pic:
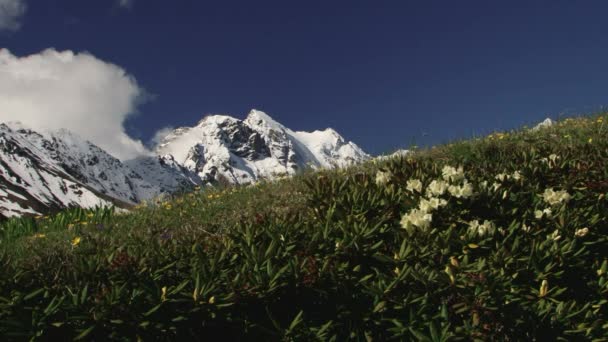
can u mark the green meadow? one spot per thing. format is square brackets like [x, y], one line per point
[501, 237]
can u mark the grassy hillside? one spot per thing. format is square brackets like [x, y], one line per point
[502, 237]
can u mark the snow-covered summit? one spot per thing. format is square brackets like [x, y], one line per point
[221, 147]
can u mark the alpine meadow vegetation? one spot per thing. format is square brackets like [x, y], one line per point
[503, 237]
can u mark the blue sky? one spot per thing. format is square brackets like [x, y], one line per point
[382, 73]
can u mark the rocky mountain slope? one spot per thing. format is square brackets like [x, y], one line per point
[242, 151]
[47, 171]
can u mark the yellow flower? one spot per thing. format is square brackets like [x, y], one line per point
[163, 296]
[544, 288]
[212, 300]
[90, 215]
[590, 140]
[76, 241]
[39, 236]
[600, 120]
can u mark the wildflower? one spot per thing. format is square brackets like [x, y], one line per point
[553, 157]
[396, 270]
[581, 232]
[90, 215]
[487, 228]
[544, 288]
[504, 194]
[555, 235]
[76, 241]
[516, 175]
[502, 176]
[525, 227]
[437, 188]
[338, 244]
[452, 174]
[39, 236]
[495, 186]
[383, 177]
[416, 218]
[555, 197]
[212, 300]
[463, 191]
[590, 140]
[414, 184]
[483, 185]
[431, 204]
[600, 120]
[163, 296]
[538, 214]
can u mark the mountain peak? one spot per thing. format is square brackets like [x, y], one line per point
[259, 118]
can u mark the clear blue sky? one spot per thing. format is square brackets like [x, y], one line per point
[380, 72]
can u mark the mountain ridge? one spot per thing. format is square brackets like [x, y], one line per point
[46, 171]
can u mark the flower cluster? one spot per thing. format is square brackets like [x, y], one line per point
[538, 214]
[414, 185]
[437, 188]
[481, 230]
[383, 177]
[581, 232]
[556, 197]
[551, 161]
[451, 174]
[416, 218]
[461, 191]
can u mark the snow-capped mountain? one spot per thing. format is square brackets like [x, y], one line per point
[47, 171]
[220, 147]
[51, 170]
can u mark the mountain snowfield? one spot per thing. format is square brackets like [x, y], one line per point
[46, 171]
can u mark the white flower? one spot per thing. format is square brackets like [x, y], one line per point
[538, 214]
[431, 204]
[516, 175]
[452, 174]
[526, 228]
[463, 191]
[437, 188]
[495, 186]
[383, 177]
[483, 185]
[416, 218]
[504, 194]
[414, 184]
[502, 176]
[581, 232]
[555, 235]
[556, 197]
[553, 157]
[487, 228]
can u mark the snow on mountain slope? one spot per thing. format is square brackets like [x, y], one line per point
[243, 151]
[51, 170]
[58, 169]
[30, 181]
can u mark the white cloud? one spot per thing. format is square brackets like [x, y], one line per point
[77, 91]
[125, 3]
[11, 12]
[160, 135]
